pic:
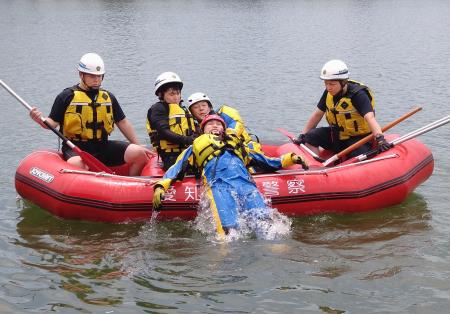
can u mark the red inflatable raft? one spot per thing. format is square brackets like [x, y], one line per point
[46, 180]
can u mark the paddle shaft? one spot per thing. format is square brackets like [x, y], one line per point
[306, 148]
[26, 105]
[90, 160]
[434, 125]
[369, 137]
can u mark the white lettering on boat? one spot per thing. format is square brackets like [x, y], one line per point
[170, 194]
[190, 193]
[41, 174]
[271, 188]
[296, 186]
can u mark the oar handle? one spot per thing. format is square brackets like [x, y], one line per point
[407, 137]
[91, 161]
[422, 130]
[369, 137]
[23, 102]
[26, 105]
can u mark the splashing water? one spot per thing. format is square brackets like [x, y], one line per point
[263, 223]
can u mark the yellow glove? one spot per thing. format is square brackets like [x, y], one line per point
[158, 196]
[297, 159]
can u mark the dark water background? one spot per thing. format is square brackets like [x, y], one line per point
[264, 58]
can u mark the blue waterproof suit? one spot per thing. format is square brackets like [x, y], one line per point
[229, 186]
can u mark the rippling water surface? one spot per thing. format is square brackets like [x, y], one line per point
[264, 58]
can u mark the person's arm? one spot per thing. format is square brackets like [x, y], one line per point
[373, 124]
[177, 170]
[160, 122]
[232, 119]
[314, 120]
[127, 130]
[317, 115]
[36, 115]
[363, 105]
[276, 163]
[57, 112]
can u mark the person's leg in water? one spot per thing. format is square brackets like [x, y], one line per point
[222, 199]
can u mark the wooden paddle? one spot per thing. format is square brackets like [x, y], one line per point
[369, 137]
[93, 163]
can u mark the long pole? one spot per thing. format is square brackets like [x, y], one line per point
[93, 163]
[427, 128]
[369, 137]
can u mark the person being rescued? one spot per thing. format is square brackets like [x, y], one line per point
[221, 157]
[200, 106]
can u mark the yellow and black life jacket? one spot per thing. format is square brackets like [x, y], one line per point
[208, 146]
[239, 128]
[180, 122]
[344, 115]
[86, 119]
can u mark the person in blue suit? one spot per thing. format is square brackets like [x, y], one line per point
[222, 157]
[200, 106]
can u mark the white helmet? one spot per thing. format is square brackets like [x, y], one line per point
[196, 97]
[334, 70]
[91, 63]
[166, 78]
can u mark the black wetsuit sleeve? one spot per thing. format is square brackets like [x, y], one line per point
[361, 102]
[60, 105]
[322, 102]
[118, 113]
[159, 120]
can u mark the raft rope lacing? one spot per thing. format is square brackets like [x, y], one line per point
[108, 175]
[324, 170]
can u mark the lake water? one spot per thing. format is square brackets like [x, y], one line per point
[264, 58]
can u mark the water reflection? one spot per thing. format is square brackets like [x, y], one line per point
[86, 256]
[95, 261]
[337, 244]
[351, 231]
[161, 266]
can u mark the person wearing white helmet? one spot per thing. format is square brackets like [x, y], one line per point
[87, 114]
[200, 105]
[169, 124]
[349, 110]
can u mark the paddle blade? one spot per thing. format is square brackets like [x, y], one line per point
[286, 133]
[93, 163]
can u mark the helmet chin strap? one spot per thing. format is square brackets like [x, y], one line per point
[87, 87]
[343, 84]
